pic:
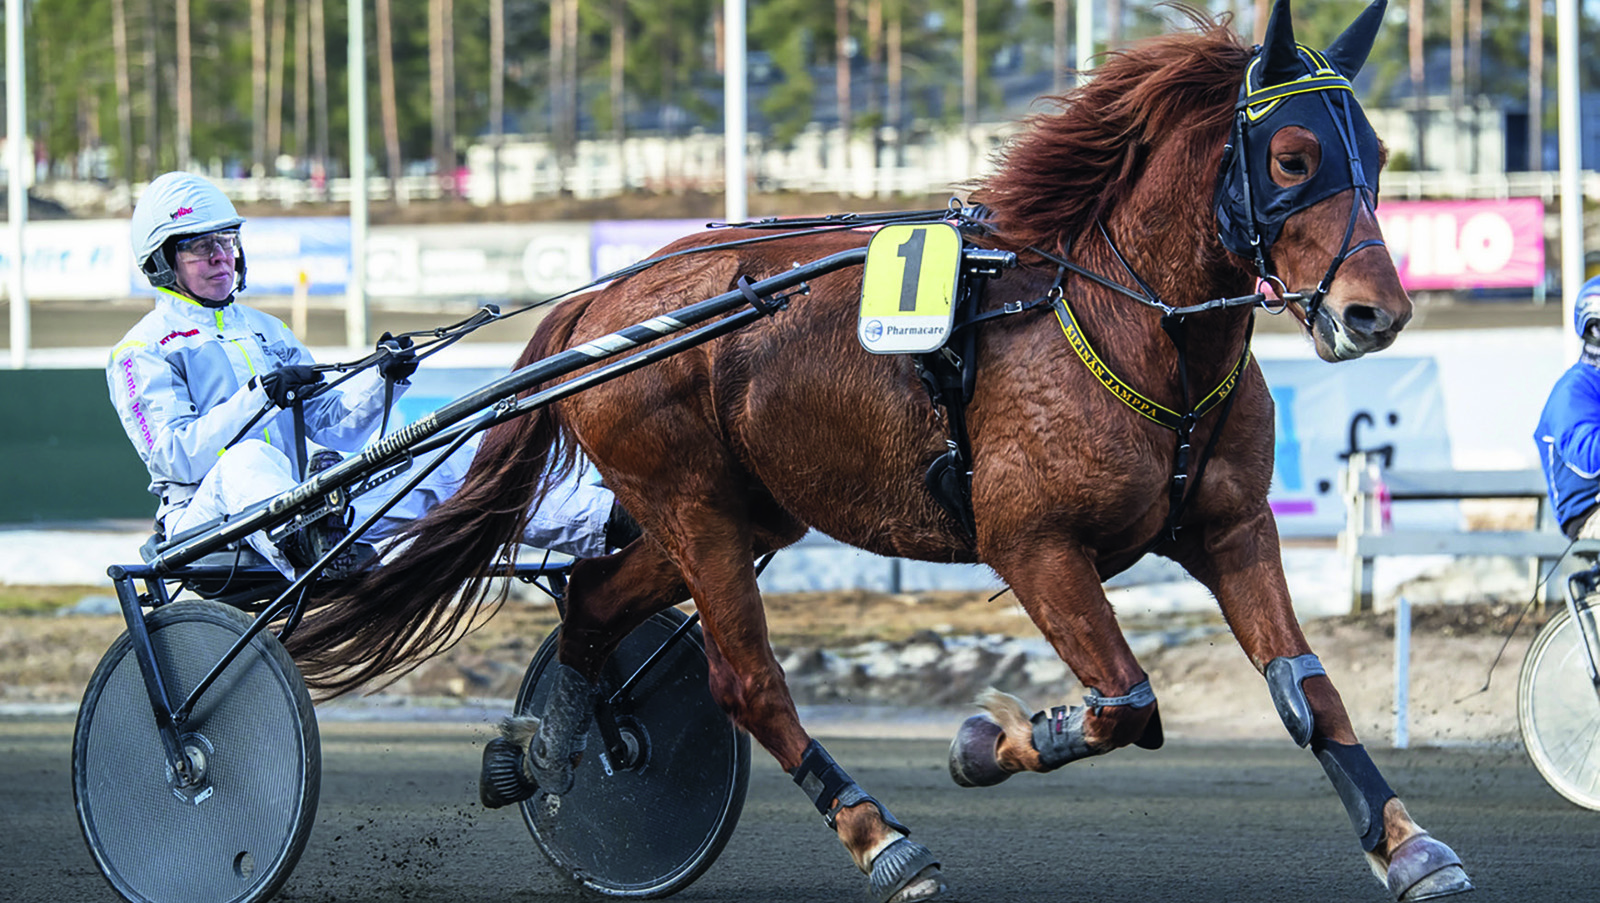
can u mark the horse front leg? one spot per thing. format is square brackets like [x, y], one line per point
[1061, 592]
[1242, 565]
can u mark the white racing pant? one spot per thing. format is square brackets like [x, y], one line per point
[571, 520]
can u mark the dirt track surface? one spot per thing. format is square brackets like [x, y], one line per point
[1239, 823]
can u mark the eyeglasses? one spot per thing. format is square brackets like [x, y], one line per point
[204, 247]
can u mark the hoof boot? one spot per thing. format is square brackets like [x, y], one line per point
[904, 872]
[973, 753]
[502, 782]
[1423, 869]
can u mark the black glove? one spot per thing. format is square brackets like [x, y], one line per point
[401, 361]
[286, 385]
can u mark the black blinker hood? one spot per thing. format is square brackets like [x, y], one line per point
[1289, 84]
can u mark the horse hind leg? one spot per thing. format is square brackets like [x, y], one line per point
[606, 599]
[747, 682]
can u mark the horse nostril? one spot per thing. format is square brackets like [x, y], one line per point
[1366, 319]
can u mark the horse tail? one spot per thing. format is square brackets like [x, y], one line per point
[427, 595]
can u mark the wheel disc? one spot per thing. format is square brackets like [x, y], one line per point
[236, 834]
[1559, 712]
[651, 829]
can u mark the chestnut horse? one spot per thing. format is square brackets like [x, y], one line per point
[737, 447]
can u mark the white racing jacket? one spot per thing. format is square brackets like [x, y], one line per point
[180, 382]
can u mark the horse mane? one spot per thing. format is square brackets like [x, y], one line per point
[1073, 166]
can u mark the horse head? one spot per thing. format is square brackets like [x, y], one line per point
[1298, 189]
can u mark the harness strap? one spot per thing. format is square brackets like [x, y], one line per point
[1125, 393]
[756, 301]
[388, 400]
[1139, 695]
[300, 438]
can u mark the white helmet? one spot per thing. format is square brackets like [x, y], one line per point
[175, 205]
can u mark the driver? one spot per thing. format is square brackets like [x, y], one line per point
[1568, 434]
[191, 380]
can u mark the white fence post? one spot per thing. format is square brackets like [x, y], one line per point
[1402, 673]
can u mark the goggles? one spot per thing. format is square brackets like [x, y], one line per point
[205, 247]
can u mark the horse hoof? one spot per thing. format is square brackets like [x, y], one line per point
[906, 871]
[1423, 869]
[556, 774]
[974, 761]
[556, 749]
[503, 782]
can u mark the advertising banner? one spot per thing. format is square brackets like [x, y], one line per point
[481, 261]
[277, 249]
[1392, 407]
[1466, 244]
[620, 243]
[81, 260]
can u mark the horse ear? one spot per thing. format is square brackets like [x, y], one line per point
[1280, 59]
[1349, 51]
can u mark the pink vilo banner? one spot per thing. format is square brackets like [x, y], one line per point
[1466, 244]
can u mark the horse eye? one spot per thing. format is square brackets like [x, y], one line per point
[1293, 164]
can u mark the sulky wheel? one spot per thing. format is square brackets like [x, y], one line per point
[1559, 711]
[235, 835]
[649, 823]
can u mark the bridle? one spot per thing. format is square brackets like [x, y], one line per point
[1326, 84]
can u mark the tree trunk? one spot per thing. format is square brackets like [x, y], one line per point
[874, 57]
[558, 96]
[1536, 85]
[319, 93]
[275, 79]
[1419, 88]
[497, 87]
[387, 103]
[1058, 46]
[841, 66]
[152, 94]
[302, 82]
[447, 112]
[1458, 54]
[184, 95]
[894, 104]
[564, 85]
[618, 75]
[1475, 71]
[258, 87]
[436, 83]
[570, 75]
[441, 83]
[969, 70]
